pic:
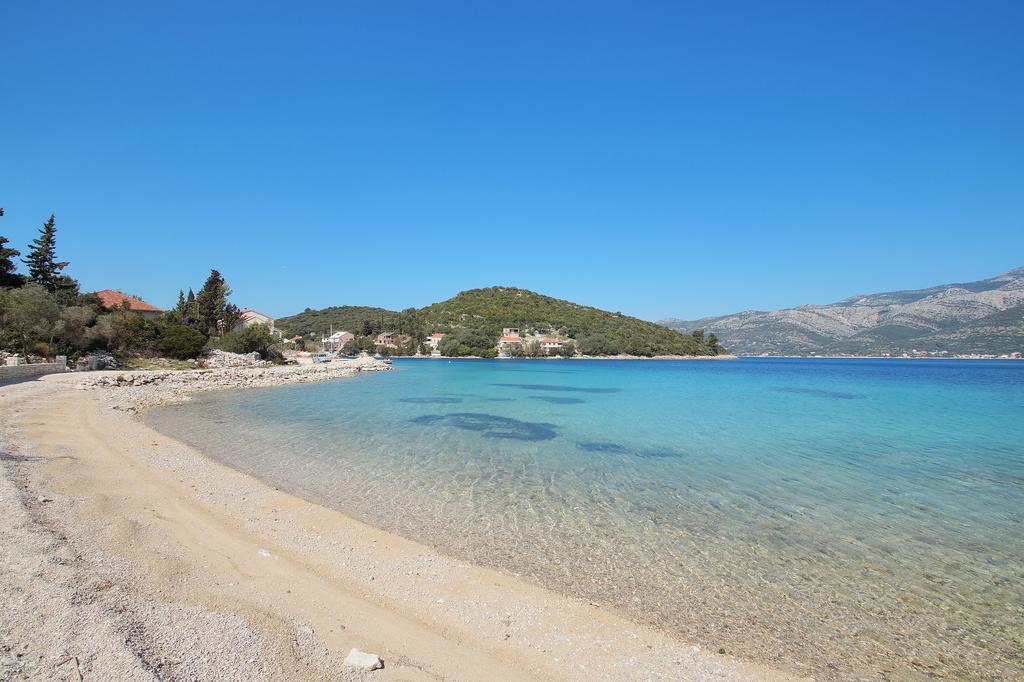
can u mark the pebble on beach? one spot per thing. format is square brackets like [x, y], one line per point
[363, 660]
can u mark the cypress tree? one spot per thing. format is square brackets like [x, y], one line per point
[43, 266]
[210, 303]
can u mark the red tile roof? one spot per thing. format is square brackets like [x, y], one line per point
[110, 299]
[510, 339]
[551, 340]
[437, 335]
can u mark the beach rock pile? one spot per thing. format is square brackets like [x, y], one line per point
[96, 360]
[138, 390]
[222, 358]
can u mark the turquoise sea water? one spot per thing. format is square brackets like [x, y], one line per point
[839, 517]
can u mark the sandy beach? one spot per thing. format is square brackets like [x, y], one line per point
[127, 555]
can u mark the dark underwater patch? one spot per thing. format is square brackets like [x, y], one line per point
[559, 388]
[436, 400]
[816, 392]
[483, 398]
[659, 453]
[558, 400]
[492, 425]
[600, 446]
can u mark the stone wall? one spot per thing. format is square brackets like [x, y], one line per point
[38, 369]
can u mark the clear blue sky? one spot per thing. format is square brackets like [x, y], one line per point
[660, 159]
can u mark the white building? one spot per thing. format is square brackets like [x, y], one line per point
[249, 317]
[433, 341]
[336, 341]
[550, 345]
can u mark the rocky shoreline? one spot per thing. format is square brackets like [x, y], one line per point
[136, 391]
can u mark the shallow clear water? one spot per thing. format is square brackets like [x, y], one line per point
[841, 517]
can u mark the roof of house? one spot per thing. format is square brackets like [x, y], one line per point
[551, 340]
[249, 313]
[110, 298]
[437, 335]
[510, 339]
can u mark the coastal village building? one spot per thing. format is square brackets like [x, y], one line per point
[506, 342]
[433, 341]
[387, 339]
[510, 331]
[249, 317]
[111, 299]
[336, 341]
[550, 345]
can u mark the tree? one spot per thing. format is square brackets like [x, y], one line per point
[28, 318]
[8, 276]
[367, 327]
[567, 350]
[43, 266]
[211, 303]
[351, 347]
[596, 344]
[73, 328]
[698, 335]
[231, 316]
[253, 338]
[534, 349]
[180, 341]
[191, 316]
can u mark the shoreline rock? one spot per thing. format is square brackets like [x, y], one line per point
[135, 391]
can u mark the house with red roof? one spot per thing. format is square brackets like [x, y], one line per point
[112, 299]
[550, 344]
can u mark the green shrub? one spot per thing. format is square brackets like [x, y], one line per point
[180, 341]
[254, 338]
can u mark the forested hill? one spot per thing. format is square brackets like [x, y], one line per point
[479, 315]
[598, 332]
[343, 318]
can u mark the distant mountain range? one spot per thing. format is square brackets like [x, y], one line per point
[984, 317]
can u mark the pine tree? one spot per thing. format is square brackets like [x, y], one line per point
[43, 266]
[8, 278]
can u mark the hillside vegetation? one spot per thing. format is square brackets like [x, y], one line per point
[475, 319]
[597, 332]
[351, 318]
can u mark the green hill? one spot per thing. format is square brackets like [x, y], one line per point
[476, 317]
[348, 318]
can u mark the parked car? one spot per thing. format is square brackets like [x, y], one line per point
[321, 357]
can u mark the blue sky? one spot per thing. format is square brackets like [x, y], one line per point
[659, 159]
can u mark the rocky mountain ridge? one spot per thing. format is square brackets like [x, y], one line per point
[985, 317]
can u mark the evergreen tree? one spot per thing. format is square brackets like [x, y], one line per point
[231, 316]
[210, 303]
[180, 307]
[213, 312]
[8, 278]
[43, 266]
